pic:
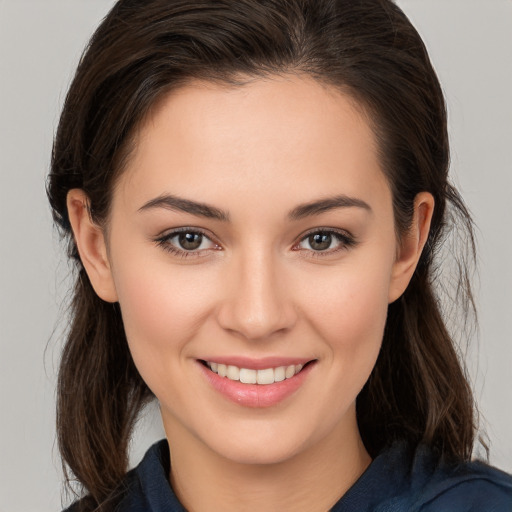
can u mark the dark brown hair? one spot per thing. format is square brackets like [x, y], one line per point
[143, 50]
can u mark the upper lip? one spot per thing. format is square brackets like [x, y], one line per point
[257, 363]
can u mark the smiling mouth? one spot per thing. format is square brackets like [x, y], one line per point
[263, 376]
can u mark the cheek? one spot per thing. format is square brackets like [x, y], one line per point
[350, 304]
[162, 308]
[349, 313]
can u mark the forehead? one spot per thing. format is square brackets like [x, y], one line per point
[278, 135]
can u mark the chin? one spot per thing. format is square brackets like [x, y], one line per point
[260, 445]
[274, 452]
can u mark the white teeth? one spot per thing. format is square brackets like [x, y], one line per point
[233, 372]
[249, 376]
[222, 370]
[290, 371]
[265, 376]
[279, 374]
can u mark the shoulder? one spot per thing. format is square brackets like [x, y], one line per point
[405, 479]
[467, 487]
[146, 487]
[430, 484]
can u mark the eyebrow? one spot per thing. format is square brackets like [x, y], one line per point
[175, 203]
[327, 204]
[170, 202]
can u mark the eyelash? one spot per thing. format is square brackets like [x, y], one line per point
[165, 244]
[346, 241]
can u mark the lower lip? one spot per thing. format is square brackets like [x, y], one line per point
[256, 395]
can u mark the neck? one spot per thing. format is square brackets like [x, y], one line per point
[312, 480]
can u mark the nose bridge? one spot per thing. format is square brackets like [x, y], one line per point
[258, 303]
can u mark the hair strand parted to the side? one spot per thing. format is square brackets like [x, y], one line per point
[143, 50]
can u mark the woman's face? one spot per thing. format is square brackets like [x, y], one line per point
[253, 232]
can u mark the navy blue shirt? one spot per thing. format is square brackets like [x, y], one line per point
[398, 480]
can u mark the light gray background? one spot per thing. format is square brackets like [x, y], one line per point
[470, 43]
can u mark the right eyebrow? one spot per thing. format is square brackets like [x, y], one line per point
[170, 202]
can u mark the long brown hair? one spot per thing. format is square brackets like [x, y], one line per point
[143, 50]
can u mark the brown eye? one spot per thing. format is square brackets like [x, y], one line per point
[190, 241]
[187, 242]
[325, 242]
[320, 241]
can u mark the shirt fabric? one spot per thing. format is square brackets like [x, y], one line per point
[398, 480]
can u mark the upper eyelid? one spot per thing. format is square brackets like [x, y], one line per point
[168, 234]
[184, 229]
[337, 231]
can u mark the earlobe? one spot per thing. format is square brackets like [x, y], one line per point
[92, 248]
[411, 246]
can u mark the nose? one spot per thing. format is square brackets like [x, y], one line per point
[257, 300]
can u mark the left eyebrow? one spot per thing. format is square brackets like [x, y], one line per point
[327, 204]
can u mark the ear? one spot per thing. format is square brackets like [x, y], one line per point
[411, 245]
[90, 241]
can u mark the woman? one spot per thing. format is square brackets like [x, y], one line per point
[254, 194]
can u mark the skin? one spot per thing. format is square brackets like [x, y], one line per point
[258, 288]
